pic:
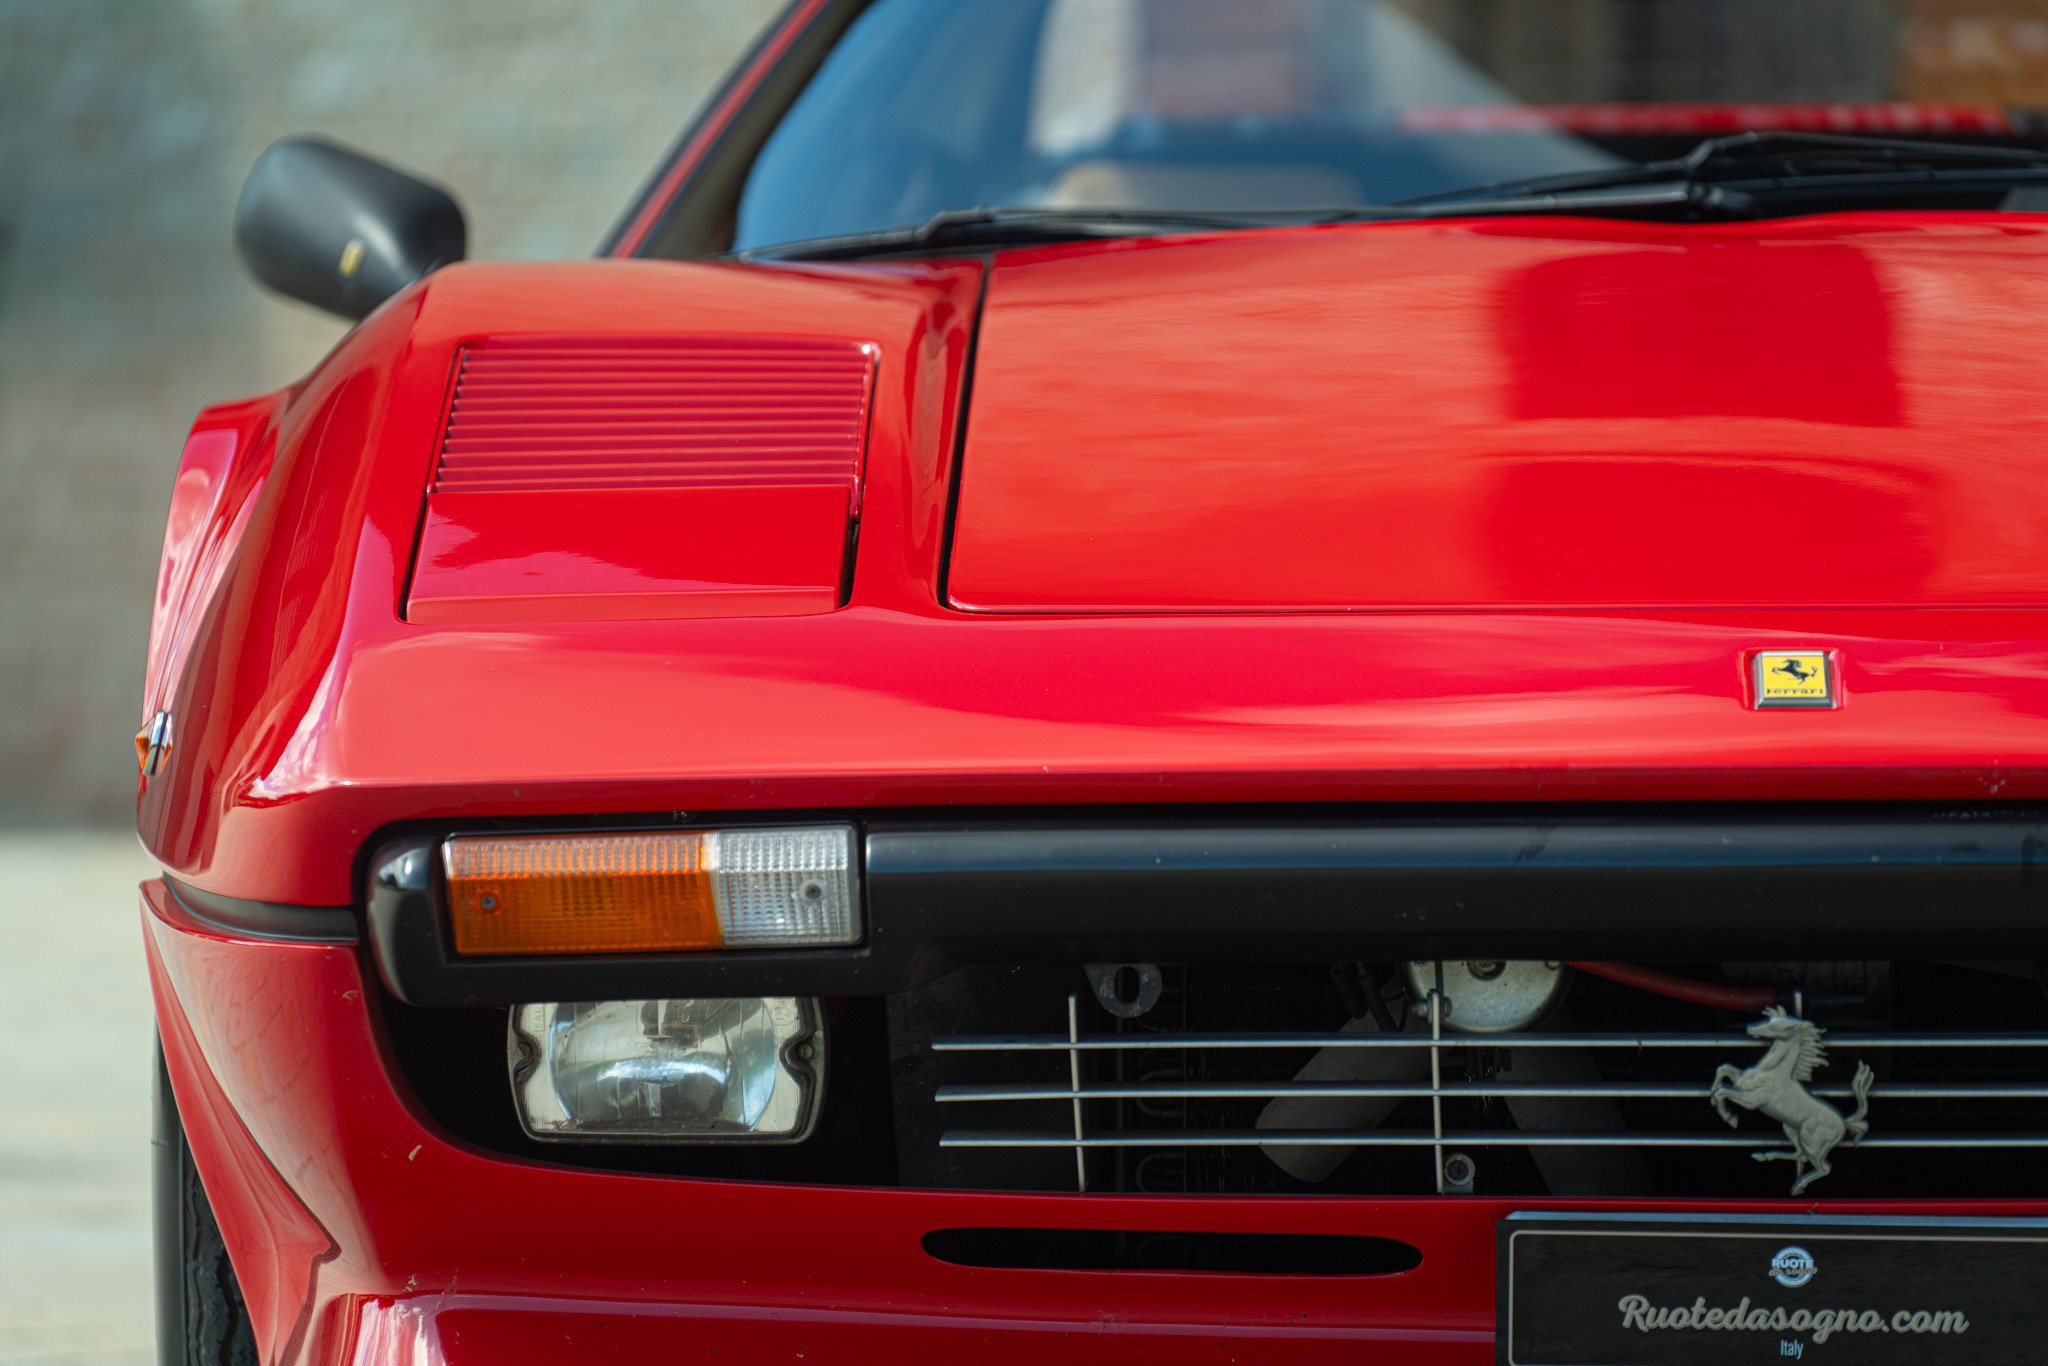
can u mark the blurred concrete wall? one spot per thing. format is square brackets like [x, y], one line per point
[125, 129]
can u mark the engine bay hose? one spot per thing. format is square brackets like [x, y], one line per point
[1683, 988]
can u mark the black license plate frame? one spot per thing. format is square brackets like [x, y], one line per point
[1593, 1289]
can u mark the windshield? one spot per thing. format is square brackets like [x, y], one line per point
[927, 106]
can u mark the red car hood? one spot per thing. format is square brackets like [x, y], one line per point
[1541, 414]
[1758, 421]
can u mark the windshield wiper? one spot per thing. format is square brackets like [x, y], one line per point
[958, 229]
[1740, 175]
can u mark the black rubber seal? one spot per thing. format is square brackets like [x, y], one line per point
[267, 919]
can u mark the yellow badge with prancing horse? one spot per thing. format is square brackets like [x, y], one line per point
[1794, 678]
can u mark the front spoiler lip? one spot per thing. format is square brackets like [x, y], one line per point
[458, 1329]
[1318, 884]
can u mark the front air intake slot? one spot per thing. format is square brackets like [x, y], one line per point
[1165, 1250]
[1248, 1078]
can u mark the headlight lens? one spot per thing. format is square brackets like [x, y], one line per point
[740, 1070]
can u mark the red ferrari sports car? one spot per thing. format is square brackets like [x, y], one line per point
[1140, 680]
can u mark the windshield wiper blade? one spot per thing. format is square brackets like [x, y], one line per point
[1762, 161]
[1721, 178]
[1668, 200]
[1006, 227]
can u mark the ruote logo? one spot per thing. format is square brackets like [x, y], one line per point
[1793, 1267]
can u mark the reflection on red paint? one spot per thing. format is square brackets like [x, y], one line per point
[1709, 327]
[616, 555]
[1839, 411]
[1741, 530]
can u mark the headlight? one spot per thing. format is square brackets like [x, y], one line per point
[716, 1071]
[652, 891]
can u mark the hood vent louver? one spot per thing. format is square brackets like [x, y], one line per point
[708, 412]
[638, 478]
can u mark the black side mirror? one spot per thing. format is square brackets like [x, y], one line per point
[339, 231]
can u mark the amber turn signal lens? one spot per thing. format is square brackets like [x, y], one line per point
[651, 891]
[571, 894]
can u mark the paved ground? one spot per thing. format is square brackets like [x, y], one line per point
[74, 1102]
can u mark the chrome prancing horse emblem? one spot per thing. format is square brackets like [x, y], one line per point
[1777, 1086]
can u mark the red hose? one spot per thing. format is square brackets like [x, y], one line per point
[1683, 988]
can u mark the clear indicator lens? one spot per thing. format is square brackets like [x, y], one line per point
[785, 887]
[668, 1070]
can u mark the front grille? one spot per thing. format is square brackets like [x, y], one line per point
[1609, 1097]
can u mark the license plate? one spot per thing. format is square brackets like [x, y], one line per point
[1653, 1290]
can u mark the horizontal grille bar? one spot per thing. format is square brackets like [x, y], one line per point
[1504, 1138]
[1053, 1043]
[1454, 1090]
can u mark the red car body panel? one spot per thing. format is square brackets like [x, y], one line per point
[226, 457]
[396, 1243]
[1835, 412]
[294, 642]
[316, 713]
[760, 553]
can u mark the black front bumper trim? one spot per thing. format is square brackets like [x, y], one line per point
[1767, 882]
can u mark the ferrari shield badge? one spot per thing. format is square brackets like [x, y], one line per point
[1794, 678]
[1776, 1085]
